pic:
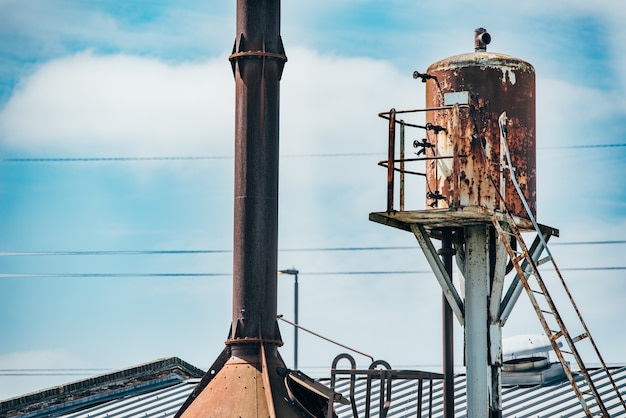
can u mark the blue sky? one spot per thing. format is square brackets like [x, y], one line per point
[149, 81]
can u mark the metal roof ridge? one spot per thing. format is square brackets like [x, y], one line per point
[100, 398]
[124, 377]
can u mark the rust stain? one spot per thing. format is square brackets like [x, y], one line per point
[496, 83]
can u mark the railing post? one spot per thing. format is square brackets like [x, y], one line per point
[401, 165]
[420, 394]
[390, 158]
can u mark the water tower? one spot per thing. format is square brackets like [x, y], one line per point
[477, 143]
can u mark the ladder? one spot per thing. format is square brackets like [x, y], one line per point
[527, 269]
[549, 316]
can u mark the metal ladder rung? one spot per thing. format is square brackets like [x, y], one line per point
[539, 292]
[567, 352]
[557, 334]
[547, 312]
[580, 337]
[543, 260]
[519, 258]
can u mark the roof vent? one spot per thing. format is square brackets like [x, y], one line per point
[482, 38]
[526, 361]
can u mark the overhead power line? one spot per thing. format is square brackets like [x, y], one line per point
[589, 242]
[169, 158]
[109, 275]
[586, 146]
[223, 251]
[302, 273]
[230, 157]
[109, 159]
[51, 372]
[114, 252]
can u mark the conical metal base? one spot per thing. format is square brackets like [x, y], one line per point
[252, 385]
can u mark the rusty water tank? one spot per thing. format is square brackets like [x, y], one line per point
[472, 91]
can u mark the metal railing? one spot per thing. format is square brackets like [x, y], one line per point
[422, 146]
[381, 372]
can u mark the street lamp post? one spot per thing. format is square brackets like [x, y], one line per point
[294, 273]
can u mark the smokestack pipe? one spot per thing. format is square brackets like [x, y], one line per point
[257, 60]
[249, 378]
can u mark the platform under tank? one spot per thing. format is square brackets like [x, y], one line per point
[483, 85]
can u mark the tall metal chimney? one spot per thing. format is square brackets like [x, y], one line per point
[249, 378]
[258, 58]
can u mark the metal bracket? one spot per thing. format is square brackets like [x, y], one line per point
[449, 291]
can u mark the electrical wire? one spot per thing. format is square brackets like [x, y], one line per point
[230, 157]
[109, 253]
[23, 372]
[280, 317]
[223, 251]
[107, 275]
[302, 273]
[586, 146]
[118, 275]
[108, 159]
[168, 158]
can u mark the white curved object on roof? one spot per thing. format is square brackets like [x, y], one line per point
[525, 345]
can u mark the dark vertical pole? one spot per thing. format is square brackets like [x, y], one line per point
[401, 165]
[391, 152]
[258, 58]
[295, 330]
[448, 331]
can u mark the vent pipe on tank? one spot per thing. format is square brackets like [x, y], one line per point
[481, 39]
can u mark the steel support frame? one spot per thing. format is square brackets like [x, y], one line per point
[476, 276]
[482, 260]
[449, 291]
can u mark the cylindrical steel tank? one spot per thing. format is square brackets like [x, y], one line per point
[474, 89]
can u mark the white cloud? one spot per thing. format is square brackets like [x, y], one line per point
[121, 105]
[53, 28]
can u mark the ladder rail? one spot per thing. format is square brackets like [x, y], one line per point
[544, 290]
[502, 120]
[587, 334]
[504, 144]
[531, 294]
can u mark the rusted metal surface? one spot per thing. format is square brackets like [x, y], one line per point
[217, 365]
[391, 152]
[434, 219]
[248, 379]
[247, 386]
[402, 163]
[481, 39]
[258, 59]
[494, 83]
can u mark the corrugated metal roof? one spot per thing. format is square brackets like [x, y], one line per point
[159, 403]
[556, 400]
[147, 378]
